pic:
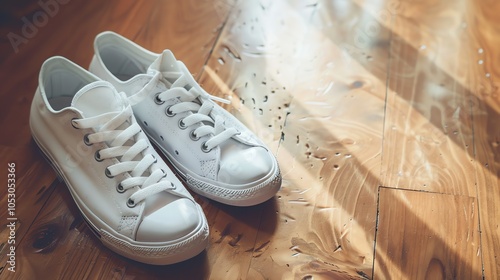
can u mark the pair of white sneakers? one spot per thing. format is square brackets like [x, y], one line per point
[95, 129]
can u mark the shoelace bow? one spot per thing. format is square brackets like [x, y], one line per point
[108, 126]
[194, 101]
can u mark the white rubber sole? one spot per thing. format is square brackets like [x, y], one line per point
[246, 197]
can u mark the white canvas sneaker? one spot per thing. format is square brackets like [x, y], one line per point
[213, 152]
[126, 193]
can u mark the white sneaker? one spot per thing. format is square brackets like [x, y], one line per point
[214, 153]
[127, 194]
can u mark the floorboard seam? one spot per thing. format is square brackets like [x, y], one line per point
[217, 38]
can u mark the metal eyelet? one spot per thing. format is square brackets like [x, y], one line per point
[204, 147]
[193, 136]
[120, 188]
[97, 156]
[108, 173]
[182, 125]
[130, 203]
[73, 124]
[156, 160]
[157, 99]
[164, 173]
[173, 186]
[169, 112]
[86, 140]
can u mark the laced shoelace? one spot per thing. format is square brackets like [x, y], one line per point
[143, 172]
[194, 101]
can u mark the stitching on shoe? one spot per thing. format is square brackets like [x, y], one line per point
[127, 225]
[208, 168]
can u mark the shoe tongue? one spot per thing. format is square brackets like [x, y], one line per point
[165, 62]
[96, 99]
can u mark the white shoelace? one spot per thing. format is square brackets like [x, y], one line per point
[194, 101]
[109, 129]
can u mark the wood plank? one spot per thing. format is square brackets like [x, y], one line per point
[484, 81]
[428, 129]
[423, 235]
[58, 243]
[297, 80]
[33, 186]
[462, 57]
[242, 68]
[246, 67]
[349, 95]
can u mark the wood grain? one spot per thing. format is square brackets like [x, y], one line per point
[484, 81]
[423, 235]
[443, 68]
[33, 184]
[349, 95]
[300, 93]
[428, 129]
[244, 68]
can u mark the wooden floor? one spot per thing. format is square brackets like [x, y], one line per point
[384, 116]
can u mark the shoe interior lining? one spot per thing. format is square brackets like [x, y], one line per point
[61, 81]
[120, 64]
[59, 103]
[122, 59]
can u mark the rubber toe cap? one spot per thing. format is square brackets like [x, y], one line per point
[171, 222]
[245, 166]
